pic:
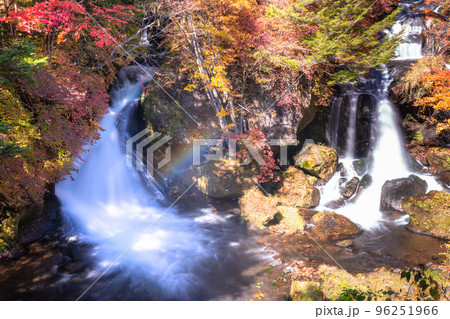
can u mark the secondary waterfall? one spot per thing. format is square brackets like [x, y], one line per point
[386, 155]
[197, 255]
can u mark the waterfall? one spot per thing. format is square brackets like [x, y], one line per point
[388, 157]
[410, 23]
[181, 256]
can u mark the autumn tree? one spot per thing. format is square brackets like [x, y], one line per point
[342, 35]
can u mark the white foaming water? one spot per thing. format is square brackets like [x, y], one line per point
[112, 209]
[351, 138]
[412, 27]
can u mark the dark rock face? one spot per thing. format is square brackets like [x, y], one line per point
[316, 130]
[394, 191]
[364, 120]
[39, 221]
[343, 124]
[351, 187]
[339, 122]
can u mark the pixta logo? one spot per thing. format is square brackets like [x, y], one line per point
[141, 148]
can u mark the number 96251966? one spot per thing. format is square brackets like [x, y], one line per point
[406, 310]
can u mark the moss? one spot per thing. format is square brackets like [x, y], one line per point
[335, 280]
[306, 291]
[8, 229]
[429, 213]
[291, 221]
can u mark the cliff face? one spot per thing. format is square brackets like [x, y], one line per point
[183, 114]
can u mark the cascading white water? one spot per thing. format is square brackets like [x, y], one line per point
[389, 156]
[111, 208]
[351, 135]
[412, 27]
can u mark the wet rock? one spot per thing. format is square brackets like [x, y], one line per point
[317, 160]
[296, 191]
[366, 181]
[306, 291]
[429, 213]
[361, 166]
[335, 226]
[341, 170]
[394, 191]
[444, 178]
[414, 164]
[344, 243]
[351, 187]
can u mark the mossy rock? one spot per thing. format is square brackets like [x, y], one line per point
[8, 230]
[318, 160]
[439, 158]
[306, 291]
[429, 213]
[394, 191]
[351, 187]
[221, 180]
[335, 226]
[361, 166]
[291, 221]
[259, 210]
[296, 190]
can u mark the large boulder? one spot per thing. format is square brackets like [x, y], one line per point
[219, 179]
[296, 191]
[306, 291]
[334, 226]
[394, 191]
[429, 213]
[259, 210]
[439, 159]
[262, 211]
[318, 160]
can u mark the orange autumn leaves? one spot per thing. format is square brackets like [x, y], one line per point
[437, 85]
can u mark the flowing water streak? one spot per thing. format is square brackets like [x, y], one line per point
[351, 135]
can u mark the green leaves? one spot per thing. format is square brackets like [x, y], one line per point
[344, 36]
[8, 147]
[18, 60]
[425, 283]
